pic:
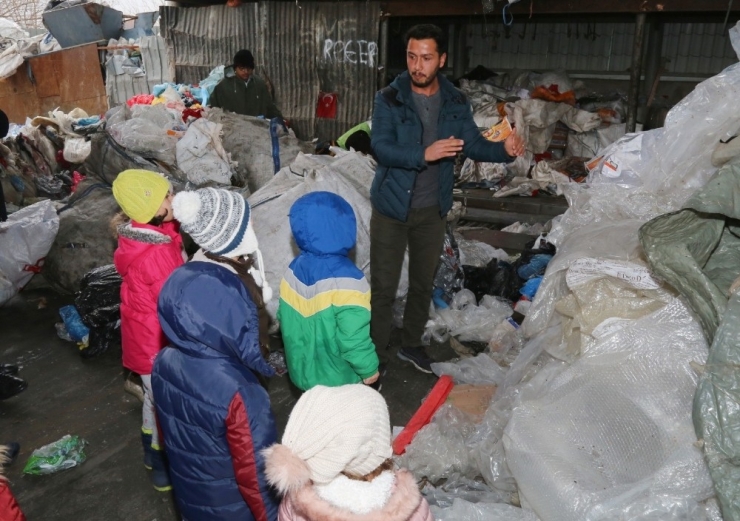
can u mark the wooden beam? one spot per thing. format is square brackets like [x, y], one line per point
[468, 7]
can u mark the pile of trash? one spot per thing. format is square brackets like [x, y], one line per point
[562, 123]
[16, 45]
[74, 158]
[610, 404]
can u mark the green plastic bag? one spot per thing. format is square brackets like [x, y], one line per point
[63, 454]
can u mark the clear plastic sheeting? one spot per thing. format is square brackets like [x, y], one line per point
[642, 176]
[462, 510]
[611, 241]
[469, 490]
[467, 321]
[440, 449]
[612, 434]
[604, 296]
[480, 370]
[477, 253]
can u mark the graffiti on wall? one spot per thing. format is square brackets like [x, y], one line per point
[359, 52]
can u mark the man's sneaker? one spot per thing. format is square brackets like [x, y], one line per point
[418, 357]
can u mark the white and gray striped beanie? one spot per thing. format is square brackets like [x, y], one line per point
[219, 221]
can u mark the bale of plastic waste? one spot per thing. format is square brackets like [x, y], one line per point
[696, 249]
[107, 159]
[716, 403]
[25, 239]
[201, 156]
[85, 239]
[610, 436]
[248, 141]
[349, 175]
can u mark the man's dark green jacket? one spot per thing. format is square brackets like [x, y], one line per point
[250, 99]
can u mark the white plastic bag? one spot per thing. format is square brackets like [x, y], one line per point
[201, 156]
[25, 239]
[76, 149]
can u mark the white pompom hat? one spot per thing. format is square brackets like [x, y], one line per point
[330, 430]
[219, 221]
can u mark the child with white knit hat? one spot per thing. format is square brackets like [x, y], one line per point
[219, 221]
[334, 462]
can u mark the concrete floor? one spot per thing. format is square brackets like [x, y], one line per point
[69, 395]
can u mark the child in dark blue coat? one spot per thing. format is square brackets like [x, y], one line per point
[214, 414]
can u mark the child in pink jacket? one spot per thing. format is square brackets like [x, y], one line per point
[149, 250]
[334, 462]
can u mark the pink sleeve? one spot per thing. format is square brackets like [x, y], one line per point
[286, 511]
[422, 512]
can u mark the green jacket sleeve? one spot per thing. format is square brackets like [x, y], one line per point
[214, 100]
[272, 111]
[353, 337]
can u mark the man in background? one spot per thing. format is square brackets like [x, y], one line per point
[244, 93]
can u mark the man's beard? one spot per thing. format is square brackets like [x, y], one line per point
[430, 79]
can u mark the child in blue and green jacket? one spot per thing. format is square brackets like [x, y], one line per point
[324, 308]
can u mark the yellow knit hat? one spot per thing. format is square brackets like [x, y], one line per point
[140, 193]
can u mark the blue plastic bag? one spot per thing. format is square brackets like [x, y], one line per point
[535, 267]
[74, 325]
[530, 287]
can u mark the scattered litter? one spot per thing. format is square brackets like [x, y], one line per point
[65, 453]
[276, 359]
[98, 303]
[74, 326]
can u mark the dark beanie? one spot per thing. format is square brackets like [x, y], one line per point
[244, 58]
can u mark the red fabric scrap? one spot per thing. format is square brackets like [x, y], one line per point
[140, 99]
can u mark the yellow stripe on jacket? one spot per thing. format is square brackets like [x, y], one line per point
[336, 297]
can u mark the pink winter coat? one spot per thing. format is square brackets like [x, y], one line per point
[405, 504]
[145, 257]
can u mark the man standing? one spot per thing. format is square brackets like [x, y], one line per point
[244, 93]
[420, 123]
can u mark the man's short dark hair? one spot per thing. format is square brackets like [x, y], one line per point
[428, 32]
[244, 58]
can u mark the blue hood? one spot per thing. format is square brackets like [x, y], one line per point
[206, 312]
[323, 223]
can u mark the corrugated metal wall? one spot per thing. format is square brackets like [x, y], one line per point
[692, 48]
[301, 49]
[199, 39]
[121, 87]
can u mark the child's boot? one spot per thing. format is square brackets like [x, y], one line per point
[160, 475]
[146, 441]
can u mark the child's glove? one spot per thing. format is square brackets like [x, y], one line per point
[372, 379]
